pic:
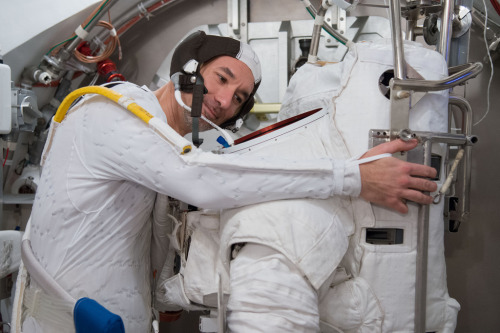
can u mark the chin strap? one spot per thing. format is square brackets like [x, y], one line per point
[191, 81]
[198, 92]
[197, 86]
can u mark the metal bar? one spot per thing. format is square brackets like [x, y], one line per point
[446, 30]
[410, 29]
[422, 254]
[465, 177]
[471, 71]
[400, 113]
[316, 35]
[397, 40]
[341, 20]
[244, 21]
[283, 56]
[448, 138]
[411, 24]
[234, 20]
[342, 39]
[18, 199]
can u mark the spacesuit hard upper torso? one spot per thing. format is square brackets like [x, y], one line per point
[91, 220]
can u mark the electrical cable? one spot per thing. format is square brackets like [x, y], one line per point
[142, 13]
[89, 19]
[108, 51]
[491, 65]
[6, 156]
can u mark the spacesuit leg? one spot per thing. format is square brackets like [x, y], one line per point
[269, 294]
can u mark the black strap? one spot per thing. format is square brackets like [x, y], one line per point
[198, 92]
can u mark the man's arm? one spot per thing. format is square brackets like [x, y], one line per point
[390, 182]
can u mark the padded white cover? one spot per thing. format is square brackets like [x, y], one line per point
[350, 89]
[311, 233]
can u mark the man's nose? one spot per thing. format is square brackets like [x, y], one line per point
[224, 97]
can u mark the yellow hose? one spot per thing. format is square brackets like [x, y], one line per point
[125, 102]
[106, 92]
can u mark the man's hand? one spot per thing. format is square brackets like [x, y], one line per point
[390, 182]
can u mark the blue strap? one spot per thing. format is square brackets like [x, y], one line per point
[90, 316]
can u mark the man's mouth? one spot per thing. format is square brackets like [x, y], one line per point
[209, 112]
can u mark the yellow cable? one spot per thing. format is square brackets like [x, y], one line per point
[106, 92]
[127, 103]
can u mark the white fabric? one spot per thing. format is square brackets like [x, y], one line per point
[311, 233]
[10, 251]
[197, 283]
[91, 219]
[307, 237]
[351, 304]
[262, 281]
[350, 89]
[250, 58]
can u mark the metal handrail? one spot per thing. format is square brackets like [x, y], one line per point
[471, 70]
[464, 203]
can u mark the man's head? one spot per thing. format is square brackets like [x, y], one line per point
[228, 70]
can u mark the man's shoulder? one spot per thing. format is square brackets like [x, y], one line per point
[140, 94]
[127, 87]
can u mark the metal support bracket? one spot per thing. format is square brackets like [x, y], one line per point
[426, 139]
[284, 41]
[237, 19]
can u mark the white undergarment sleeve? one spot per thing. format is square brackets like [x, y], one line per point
[115, 145]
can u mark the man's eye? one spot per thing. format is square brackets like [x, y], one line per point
[222, 78]
[238, 99]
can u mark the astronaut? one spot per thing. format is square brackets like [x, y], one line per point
[90, 226]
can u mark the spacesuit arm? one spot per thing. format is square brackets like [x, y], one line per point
[125, 149]
[115, 145]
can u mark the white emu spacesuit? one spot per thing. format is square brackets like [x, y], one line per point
[306, 265]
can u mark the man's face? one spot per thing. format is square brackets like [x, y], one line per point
[229, 83]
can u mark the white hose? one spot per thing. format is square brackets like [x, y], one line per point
[38, 273]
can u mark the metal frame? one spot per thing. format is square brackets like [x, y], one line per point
[401, 90]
